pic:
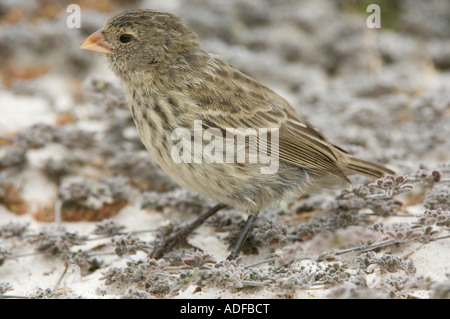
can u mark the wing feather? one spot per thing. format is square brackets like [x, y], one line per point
[256, 106]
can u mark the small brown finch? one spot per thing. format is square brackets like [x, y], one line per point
[170, 83]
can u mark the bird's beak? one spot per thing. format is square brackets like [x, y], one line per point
[97, 42]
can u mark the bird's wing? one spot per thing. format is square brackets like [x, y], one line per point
[231, 99]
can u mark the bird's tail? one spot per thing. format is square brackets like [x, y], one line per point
[365, 168]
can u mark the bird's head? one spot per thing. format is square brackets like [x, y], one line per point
[140, 41]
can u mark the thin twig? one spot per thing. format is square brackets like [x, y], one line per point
[168, 275]
[14, 297]
[55, 288]
[376, 196]
[383, 244]
[255, 283]
[442, 237]
[122, 233]
[102, 253]
[264, 261]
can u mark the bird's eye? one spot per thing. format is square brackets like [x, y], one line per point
[126, 38]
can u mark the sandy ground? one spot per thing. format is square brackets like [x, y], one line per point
[383, 94]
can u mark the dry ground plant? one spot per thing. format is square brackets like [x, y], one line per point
[383, 94]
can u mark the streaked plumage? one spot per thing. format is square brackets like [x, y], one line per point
[171, 82]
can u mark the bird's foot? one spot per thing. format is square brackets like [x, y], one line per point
[181, 235]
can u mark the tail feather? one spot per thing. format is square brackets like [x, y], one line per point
[365, 168]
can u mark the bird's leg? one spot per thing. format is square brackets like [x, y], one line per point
[181, 235]
[242, 237]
